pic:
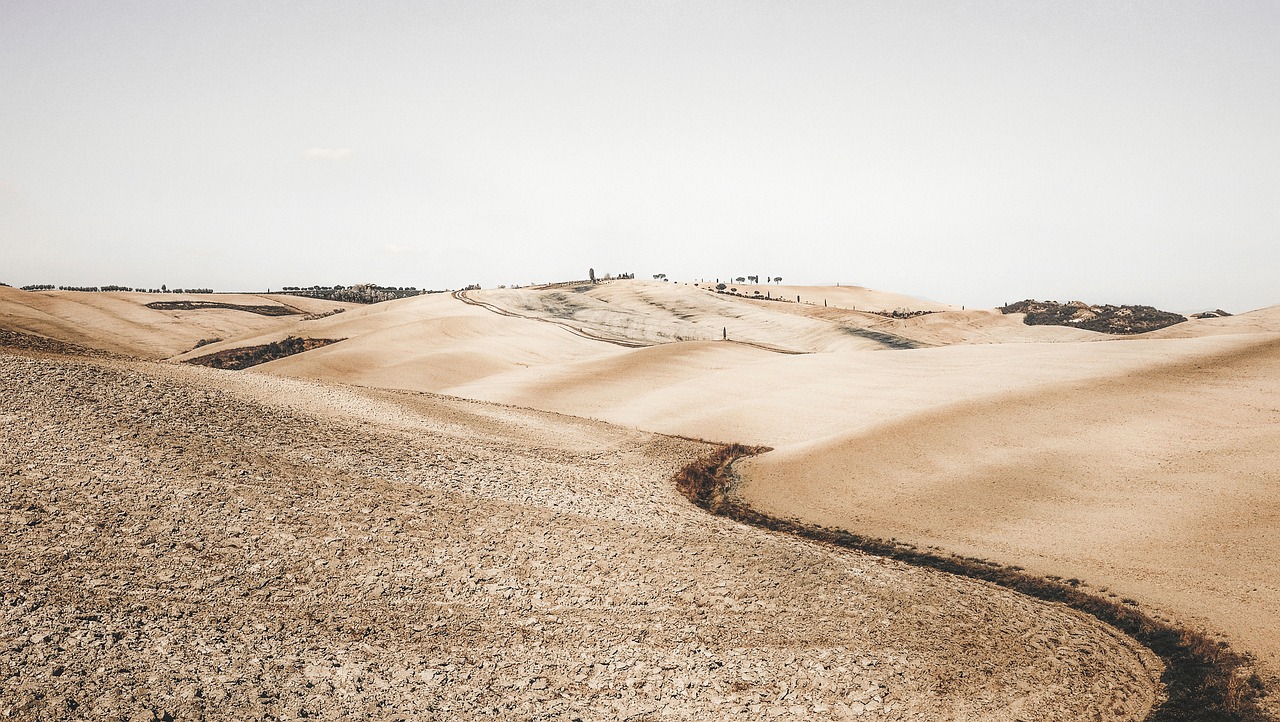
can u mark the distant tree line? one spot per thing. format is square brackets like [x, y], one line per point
[103, 289]
[340, 288]
[359, 293]
[591, 273]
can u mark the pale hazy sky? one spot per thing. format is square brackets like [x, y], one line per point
[971, 152]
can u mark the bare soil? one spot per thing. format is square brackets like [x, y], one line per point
[185, 543]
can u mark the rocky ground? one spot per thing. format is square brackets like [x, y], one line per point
[184, 543]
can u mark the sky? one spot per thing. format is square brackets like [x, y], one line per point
[969, 152]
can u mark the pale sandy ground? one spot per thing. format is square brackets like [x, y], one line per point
[1159, 484]
[1146, 465]
[120, 322]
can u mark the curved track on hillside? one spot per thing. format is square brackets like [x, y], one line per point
[584, 333]
[575, 330]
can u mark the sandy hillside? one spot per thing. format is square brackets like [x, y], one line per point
[506, 338]
[724, 391]
[423, 343]
[1140, 464]
[1263, 320]
[1158, 483]
[652, 313]
[193, 544]
[121, 322]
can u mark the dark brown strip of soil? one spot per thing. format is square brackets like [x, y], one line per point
[238, 359]
[263, 310]
[1204, 680]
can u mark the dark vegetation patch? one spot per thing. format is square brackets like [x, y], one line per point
[890, 340]
[322, 314]
[263, 310]
[237, 359]
[1103, 319]
[1204, 680]
[1219, 313]
[359, 293]
[902, 313]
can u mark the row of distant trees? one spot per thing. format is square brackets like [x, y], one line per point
[359, 293]
[591, 273]
[343, 288]
[99, 289]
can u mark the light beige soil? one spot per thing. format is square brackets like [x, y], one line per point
[1158, 484]
[120, 321]
[194, 544]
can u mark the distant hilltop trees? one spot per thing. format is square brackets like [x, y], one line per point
[591, 273]
[359, 293]
[104, 289]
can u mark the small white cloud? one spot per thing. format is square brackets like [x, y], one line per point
[329, 153]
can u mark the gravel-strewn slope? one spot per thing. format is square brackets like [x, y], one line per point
[175, 545]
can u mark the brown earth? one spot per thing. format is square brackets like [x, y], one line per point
[186, 543]
[122, 322]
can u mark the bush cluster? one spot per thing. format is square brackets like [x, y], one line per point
[1103, 319]
[359, 293]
